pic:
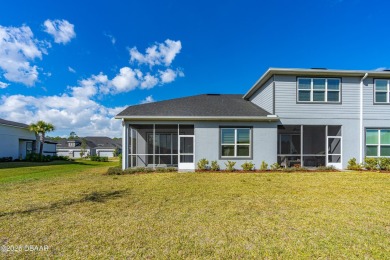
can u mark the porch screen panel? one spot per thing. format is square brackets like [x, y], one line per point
[314, 146]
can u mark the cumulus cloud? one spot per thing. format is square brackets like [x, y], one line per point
[78, 108]
[126, 80]
[169, 75]
[157, 54]
[149, 81]
[66, 112]
[148, 99]
[18, 48]
[61, 30]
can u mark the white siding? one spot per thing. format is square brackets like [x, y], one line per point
[12, 141]
[264, 97]
[107, 153]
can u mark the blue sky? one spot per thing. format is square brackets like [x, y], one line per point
[78, 63]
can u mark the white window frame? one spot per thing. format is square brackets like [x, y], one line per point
[387, 91]
[235, 142]
[378, 145]
[312, 91]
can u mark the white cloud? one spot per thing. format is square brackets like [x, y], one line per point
[67, 112]
[18, 48]
[149, 81]
[3, 85]
[148, 99]
[126, 80]
[70, 69]
[78, 109]
[158, 54]
[61, 30]
[112, 38]
[169, 75]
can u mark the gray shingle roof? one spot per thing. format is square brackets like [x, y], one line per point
[12, 123]
[92, 142]
[208, 105]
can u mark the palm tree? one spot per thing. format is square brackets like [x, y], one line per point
[41, 128]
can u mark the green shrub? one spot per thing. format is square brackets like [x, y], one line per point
[203, 164]
[114, 171]
[384, 163]
[5, 159]
[263, 166]
[353, 165]
[371, 163]
[275, 166]
[120, 160]
[166, 169]
[247, 166]
[34, 157]
[97, 158]
[215, 166]
[230, 166]
[130, 171]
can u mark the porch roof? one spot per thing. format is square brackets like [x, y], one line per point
[199, 107]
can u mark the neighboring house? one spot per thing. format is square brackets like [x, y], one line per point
[296, 117]
[95, 145]
[16, 141]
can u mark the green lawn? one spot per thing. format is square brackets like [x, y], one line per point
[80, 213]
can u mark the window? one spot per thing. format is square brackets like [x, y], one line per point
[382, 89]
[235, 142]
[318, 90]
[378, 142]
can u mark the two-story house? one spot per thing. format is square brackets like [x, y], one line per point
[305, 117]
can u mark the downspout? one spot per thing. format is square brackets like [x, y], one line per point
[361, 119]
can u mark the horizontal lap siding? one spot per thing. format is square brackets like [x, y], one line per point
[264, 97]
[371, 111]
[286, 105]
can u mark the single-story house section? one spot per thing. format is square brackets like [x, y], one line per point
[94, 145]
[296, 117]
[16, 141]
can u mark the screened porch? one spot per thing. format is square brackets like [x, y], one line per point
[160, 145]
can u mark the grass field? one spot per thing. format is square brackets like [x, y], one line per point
[78, 213]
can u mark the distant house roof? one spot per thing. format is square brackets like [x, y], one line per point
[12, 123]
[200, 107]
[91, 143]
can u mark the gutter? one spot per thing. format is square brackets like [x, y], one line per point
[268, 118]
[361, 119]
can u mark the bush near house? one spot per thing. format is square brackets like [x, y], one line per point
[97, 158]
[371, 163]
[384, 163]
[353, 165]
[263, 166]
[248, 166]
[5, 159]
[215, 166]
[230, 166]
[203, 164]
[34, 157]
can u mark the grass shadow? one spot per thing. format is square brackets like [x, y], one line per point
[10, 165]
[95, 196]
